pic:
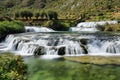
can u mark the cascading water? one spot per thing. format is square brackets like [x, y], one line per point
[62, 44]
[37, 29]
[90, 26]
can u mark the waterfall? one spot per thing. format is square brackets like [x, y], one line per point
[90, 26]
[37, 29]
[61, 44]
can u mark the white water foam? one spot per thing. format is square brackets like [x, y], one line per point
[90, 26]
[38, 29]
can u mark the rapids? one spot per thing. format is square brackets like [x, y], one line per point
[45, 41]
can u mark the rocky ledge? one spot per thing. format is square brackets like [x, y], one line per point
[100, 60]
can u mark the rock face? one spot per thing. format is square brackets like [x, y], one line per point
[84, 49]
[2, 37]
[83, 41]
[39, 51]
[61, 51]
[83, 45]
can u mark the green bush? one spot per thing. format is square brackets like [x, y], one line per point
[52, 15]
[10, 27]
[12, 67]
[26, 14]
[37, 15]
[17, 15]
[58, 25]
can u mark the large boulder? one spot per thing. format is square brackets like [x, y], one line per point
[83, 41]
[39, 51]
[84, 49]
[61, 51]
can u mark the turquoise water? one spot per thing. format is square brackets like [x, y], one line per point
[60, 69]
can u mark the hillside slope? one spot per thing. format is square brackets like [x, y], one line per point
[64, 8]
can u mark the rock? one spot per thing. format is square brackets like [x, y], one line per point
[39, 51]
[61, 51]
[30, 30]
[83, 41]
[2, 37]
[84, 48]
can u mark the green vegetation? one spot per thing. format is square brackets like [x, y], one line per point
[50, 15]
[112, 27]
[58, 25]
[26, 14]
[10, 27]
[109, 27]
[12, 67]
[66, 9]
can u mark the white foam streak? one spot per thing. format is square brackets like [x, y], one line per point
[37, 29]
[90, 26]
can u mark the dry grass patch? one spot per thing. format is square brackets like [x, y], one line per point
[101, 60]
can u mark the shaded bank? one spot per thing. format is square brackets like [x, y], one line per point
[10, 27]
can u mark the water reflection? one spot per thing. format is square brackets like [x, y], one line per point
[40, 69]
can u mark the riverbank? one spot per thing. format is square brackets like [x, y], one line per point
[10, 27]
[99, 60]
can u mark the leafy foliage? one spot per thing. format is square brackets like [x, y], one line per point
[52, 15]
[26, 14]
[12, 67]
[37, 15]
[70, 9]
[57, 25]
[9, 27]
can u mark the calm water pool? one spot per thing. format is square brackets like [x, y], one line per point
[60, 69]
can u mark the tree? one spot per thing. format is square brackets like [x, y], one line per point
[17, 15]
[9, 4]
[43, 15]
[30, 14]
[37, 15]
[52, 15]
[26, 14]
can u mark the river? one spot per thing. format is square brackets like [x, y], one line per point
[51, 45]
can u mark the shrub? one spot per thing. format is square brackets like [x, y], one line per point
[37, 15]
[10, 27]
[43, 15]
[26, 14]
[17, 15]
[59, 26]
[12, 67]
[52, 15]
[9, 4]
